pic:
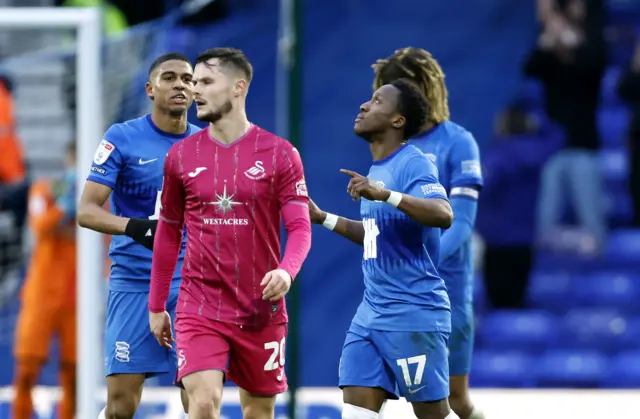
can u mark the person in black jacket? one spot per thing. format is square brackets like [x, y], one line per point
[569, 61]
[629, 91]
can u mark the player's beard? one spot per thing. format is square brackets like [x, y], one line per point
[216, 115]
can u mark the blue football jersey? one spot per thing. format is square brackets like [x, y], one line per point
[403, 291]
[455, 152]
[130, 160]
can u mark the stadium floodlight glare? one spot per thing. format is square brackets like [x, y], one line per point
[87, 23]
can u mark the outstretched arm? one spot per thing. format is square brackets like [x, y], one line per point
[425, 201]
[350, 229]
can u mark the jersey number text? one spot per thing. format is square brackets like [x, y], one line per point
[371, 233]
[277, 348]
[404, 363]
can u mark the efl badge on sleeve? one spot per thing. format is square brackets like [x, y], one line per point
[103, 152]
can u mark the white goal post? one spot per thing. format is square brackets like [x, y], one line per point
[89, 131]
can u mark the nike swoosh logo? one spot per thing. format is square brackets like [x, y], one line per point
[141, 162]
[197, 171]
[414, 391]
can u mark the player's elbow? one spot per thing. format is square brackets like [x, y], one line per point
[84, 215]
[443, 215]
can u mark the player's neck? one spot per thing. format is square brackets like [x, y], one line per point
[231, 127]
[168, 123]
[381, 149]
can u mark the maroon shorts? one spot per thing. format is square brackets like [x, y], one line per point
[251, 357]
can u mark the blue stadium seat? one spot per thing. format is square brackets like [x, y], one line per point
[608, 289]
[549, 290]
[631, 339]
[501, 369]
[623, 247]
[624, 370]
[528, 330]
[571, 369]
[612, 124]
[593, 328]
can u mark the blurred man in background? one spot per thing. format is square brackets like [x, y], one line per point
[569, 60]
[629, 91]
[455, 152]
[13, 193]
[506, 216]
[128, 167]
[49, 293]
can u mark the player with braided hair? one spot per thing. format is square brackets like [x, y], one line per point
[456, 154]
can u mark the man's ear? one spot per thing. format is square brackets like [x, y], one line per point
[240, 88]
[149, 89]
[399, 122]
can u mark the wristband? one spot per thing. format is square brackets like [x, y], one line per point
[330, 222]
[394, 199]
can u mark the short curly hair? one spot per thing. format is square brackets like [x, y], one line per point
[412, 105]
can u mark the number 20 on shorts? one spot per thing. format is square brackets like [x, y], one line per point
[276, 359]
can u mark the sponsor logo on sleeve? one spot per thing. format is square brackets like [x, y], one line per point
[301, 188]
[433, 189]
[103, 152]
[471, 168]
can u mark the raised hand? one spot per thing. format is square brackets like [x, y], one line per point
[363, 187]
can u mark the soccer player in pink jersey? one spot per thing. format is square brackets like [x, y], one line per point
[230, 185]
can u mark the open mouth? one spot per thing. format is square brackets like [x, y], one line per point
[200, 102]
[180, 98]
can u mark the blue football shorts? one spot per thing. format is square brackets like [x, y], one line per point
[129, 345]
[413, 365]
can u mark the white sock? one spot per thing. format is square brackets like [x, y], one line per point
[350, 411]
[103, 414]
[452, 415]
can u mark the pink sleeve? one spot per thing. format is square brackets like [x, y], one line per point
[166, 244]
[291, 184]
[294, 208]
[298, 226]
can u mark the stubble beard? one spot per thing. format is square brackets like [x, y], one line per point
[214, 116]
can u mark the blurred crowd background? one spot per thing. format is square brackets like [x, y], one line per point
[549, 88]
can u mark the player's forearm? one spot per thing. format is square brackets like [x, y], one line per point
[94, 217]
[464, 211]
[430, 212]
[350, 229]
[298, 226]
[166, 250]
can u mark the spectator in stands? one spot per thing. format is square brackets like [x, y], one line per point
[569, 60]
[48, 297]
[506, 212]
[629, 91]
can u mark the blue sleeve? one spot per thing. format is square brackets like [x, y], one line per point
[420, 179]
[464, 218]
[108, 160]
[464, 163]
